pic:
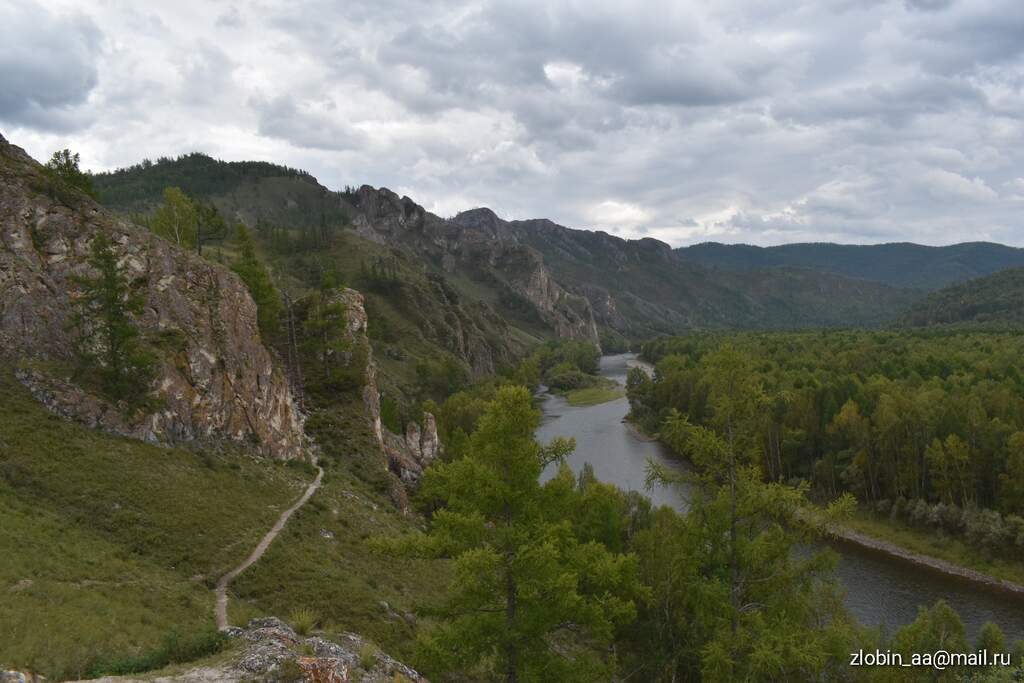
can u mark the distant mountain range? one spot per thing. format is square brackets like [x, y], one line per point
[900, 264]
[543, 279]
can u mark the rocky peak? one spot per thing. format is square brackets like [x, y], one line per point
[487, 222]
[214, 378]
[474, 239]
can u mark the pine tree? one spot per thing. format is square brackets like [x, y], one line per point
[261, 287]
[64, 165]
[523, 581]
[740, 604]
[108, 340]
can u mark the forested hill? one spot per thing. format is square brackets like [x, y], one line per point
[995, 300]
[901, 264]
[642, 287]
[545, 279]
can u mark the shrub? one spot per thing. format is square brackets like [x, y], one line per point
[173, 650]
[304, 620]
[368, 656]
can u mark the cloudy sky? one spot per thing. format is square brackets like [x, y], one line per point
[760, 121]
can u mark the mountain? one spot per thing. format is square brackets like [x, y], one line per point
[900, 264]
[643, 287]
[515, 282]
[994, 300]
[117, 518]
[449, 291]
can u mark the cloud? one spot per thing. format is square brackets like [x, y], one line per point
[613, 215]
[946, 185]
[47, 65]
[766, 122]
[308, 125]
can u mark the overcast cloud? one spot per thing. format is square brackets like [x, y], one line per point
[766, 121]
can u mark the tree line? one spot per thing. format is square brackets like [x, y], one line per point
[927, 427]
[573, 579]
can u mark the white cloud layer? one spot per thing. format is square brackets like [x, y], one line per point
[766, 122]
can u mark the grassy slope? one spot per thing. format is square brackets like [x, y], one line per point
[110, 543]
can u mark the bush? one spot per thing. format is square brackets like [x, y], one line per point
[304, 620]
[368, 656]
[565, 377]
[173, 650]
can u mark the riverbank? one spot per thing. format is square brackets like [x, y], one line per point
[949, 556]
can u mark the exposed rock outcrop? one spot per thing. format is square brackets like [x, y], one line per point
[411, 454]
[404, 455]
[273, 651]
[479, 242]
[214, 378]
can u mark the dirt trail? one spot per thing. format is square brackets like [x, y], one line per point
[221, 609]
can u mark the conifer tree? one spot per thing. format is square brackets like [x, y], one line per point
[64, 165]
[108, 340]
[529, 600]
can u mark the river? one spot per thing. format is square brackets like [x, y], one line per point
[880, 590]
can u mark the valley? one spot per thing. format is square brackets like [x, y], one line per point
[331, 366]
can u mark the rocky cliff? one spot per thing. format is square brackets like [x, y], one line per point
[215, 379]
[481, 248]
[406, 455]
[642, 288]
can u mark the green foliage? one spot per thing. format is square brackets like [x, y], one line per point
[63, 166]
[991, 638]
[324, 333]
[934, 629]
[920, 426]
[107, 339]
[743, 606]
[210, 225]
[992, 301]
[523, 578]
[196, 174]
[900, 264]
[391, 415]
[174, 649]
[368, 656]
[261, 286]
[441, 377]
[304, 620]
[176, 219]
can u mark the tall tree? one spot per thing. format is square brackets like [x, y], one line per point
[257, 278]
[324, 329]
[108, 339]
[210, 225]
[176, 219]
[530, 601]
[740, 604]
[64, 165]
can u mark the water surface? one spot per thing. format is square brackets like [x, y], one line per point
[880, 590]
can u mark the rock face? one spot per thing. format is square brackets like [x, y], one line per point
[404, 455]
[273, 651]
[215, 379]
[412, 453]
[480, 245]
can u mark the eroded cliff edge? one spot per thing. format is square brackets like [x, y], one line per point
[214, 377]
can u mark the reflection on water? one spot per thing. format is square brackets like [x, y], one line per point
[880, 590]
